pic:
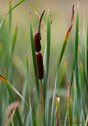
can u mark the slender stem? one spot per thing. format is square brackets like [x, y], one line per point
[40, 21]
[43, 102]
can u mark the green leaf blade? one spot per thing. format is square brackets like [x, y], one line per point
[34, 61]
[53, 104]
[76, 50]
[14, 39]
[48, 44]
[83, 44]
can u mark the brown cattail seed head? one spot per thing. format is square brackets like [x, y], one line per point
[39, 60]
[37, 38]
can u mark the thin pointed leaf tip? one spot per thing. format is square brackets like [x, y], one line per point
[2, 78]
[66, 37]
[69, 30]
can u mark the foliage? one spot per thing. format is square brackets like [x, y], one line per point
[31, 113]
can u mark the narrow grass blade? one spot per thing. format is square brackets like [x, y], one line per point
[86, 121]
[12, 123]
[27, 119]
[9, 42]
[11, 106]
[66, 116]
[87, 50]
[12, 100]
[47, 55]
[76, 51]
[24, 90]
[10, 14]
[10, 86]
[85, 77]
[82, 77]
[72, 73]
[11, 53]
[31, 119]
[13, 88]
[34, 61]
[84, 107]
[44, 78]
[0, 47]
[15, 7]
[77, 36]
[48, 44]
[76, 100]
[3, 104]
[28, 74]
[47, 110]
[53, 104]
[44, 63]
[66, 39]
[14, 40]
[11, 117]
[70, 112]
[2, 22]
[62, 75]
[73, 66]
[83, 44]
[10, 11]
[82, 90]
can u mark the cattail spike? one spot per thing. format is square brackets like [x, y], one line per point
[40, 21]
[37, 38]
[40, 68]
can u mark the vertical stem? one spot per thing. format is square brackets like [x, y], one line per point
[43, 102]
[10, 14]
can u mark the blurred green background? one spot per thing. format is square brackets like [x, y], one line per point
[61, 15]
[61, 11]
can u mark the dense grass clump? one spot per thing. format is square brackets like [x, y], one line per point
[43, 105]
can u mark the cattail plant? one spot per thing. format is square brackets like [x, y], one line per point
[39, 59]
[77, 89]
[37, 36]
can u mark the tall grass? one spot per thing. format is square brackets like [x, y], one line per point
[31, 112]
